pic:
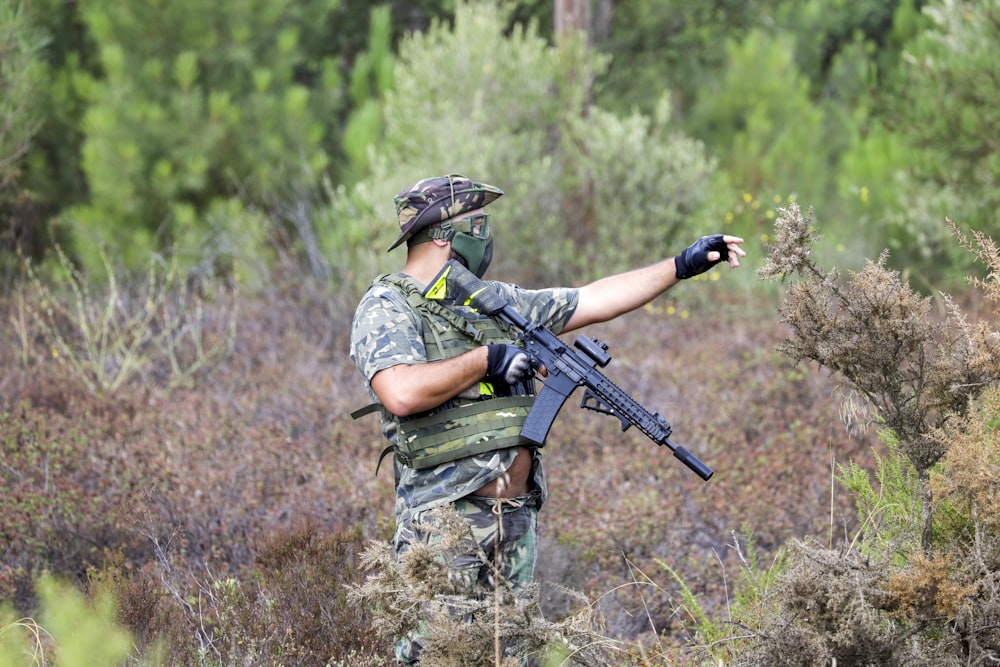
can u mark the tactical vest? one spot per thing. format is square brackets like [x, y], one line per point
[460, 427]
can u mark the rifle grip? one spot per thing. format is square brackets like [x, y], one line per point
[543, 412]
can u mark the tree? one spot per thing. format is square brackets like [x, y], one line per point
[502, 106]
[949, 105]
[20, 112]
[193, 120]
[670, 46]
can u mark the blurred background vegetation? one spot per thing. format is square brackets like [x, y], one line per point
[193, 197]
[253, 129]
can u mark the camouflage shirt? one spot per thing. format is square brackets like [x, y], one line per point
[387, 332]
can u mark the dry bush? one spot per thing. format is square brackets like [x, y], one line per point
[917, 371]
[970, 478]
[826, 607]
[501, 627]
[927, 596]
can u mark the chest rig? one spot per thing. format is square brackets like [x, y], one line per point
[460, 427]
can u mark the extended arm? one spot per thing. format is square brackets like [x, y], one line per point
[607, 298]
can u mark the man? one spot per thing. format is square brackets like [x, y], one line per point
[454, 386]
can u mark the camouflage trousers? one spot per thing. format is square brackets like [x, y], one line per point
[503, 541]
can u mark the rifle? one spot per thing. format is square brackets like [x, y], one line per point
[567, 368]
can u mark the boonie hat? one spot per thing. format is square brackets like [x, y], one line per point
[439, 198]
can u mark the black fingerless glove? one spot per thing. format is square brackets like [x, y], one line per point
[508, 363]
[694, 259]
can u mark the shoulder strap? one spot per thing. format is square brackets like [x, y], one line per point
[367, 410]
[415, 298]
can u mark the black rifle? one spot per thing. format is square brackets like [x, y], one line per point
[567, 368]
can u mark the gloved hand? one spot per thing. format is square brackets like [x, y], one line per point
[694, 259]
[508, 363]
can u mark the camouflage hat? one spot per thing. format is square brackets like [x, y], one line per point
[435, 199]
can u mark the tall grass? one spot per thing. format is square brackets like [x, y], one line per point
[107, 333]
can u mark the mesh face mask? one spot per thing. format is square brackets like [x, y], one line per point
[475, 245]
[470, 237]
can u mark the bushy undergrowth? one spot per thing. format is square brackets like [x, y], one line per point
[917, 583]
[226, 513]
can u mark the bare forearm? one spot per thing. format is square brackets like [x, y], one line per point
[616, 295]
[609, 297]
[409, 389]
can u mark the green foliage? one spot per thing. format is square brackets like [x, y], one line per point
[950, 100]
[207, 108]
[575, 177]
[888, 505]
[72, 632]
[51, 178]
[946, 105]
[669, 45]
[371, 77]
[21, 64]
[20, 45]
[759, 114]
[86, 633]
[802, 101]
[649, 188]
[826, 28]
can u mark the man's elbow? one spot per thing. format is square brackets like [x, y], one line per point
[401, 406]
[394, 393]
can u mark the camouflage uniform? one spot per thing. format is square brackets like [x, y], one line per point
[387, 332]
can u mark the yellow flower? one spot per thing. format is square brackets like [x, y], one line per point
[747, 197]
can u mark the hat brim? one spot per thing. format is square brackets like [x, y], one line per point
[489, 193]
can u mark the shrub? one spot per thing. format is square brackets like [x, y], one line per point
[916, 584]
[502, 627]
[58, 512]
[108, 335]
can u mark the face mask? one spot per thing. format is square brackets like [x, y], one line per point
[473, 242]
